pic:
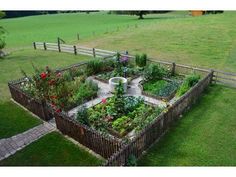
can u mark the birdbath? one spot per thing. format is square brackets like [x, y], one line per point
[114, 81]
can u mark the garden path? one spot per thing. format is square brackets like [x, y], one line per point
[104, 92]
[9, 146]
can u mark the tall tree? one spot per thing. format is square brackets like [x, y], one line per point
[140, 13]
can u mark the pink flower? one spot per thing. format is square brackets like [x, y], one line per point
[104, 100]
[58, 74]
[58, 110]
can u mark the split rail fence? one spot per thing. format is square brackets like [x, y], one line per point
[219, 77]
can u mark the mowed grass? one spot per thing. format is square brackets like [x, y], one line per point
[14, 120]
[205, 136]
[25, 30]
[52, 150]
[207, 41]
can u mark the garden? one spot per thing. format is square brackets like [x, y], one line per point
[119, 115]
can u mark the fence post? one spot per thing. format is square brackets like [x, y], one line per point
[94, 54]
[34, 45]
[44, 45]
[78, 36]
[173, 69]
[75, 50]
[58, 44]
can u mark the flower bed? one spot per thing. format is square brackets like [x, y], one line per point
[61, 90]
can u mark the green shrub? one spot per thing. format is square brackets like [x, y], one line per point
[121, 124]
[132, 161]
[82, 115]
[141, 61]
[189, 81]
[154, 72]
[85, 91]
[94, 66]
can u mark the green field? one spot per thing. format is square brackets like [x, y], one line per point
[51, 150]
[208, 41]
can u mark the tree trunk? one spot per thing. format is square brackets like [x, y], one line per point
[2, 54]
[140, 15]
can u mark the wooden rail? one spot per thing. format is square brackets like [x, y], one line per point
[74, 49]
[219, 77]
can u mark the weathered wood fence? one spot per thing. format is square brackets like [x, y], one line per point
[101, 144]
[74, 49]
[219, 77]
[153, 132]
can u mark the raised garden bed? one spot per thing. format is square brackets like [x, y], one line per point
[163, 89]
[109, 117]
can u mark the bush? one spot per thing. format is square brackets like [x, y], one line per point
[85, 91]
[189, 81]
[154, 72]
[141, 61]
[132, 161]
[94, 66]
[82, 116]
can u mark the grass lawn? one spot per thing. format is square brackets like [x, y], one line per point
[205, 136]
[51, 150]
[14, 120]
[25, 30]
[207, 41]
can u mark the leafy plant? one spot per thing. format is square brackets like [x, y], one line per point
[141, 61]
[132, 161]
[119, 103]
[82, 115]
[121, 124]
[154, 72]
[189, 81]
[94, 66]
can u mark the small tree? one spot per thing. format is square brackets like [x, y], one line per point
[119, 103]
[2, 36]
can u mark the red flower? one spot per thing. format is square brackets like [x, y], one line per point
[53, 105]
[58, 110]
[43, 75]
[51, 82]
[53, 97]
[104, 100]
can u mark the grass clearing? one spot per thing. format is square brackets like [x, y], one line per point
[52, 150]
[14, 120]
[203, 137]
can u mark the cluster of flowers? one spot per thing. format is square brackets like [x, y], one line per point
[52, 79]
